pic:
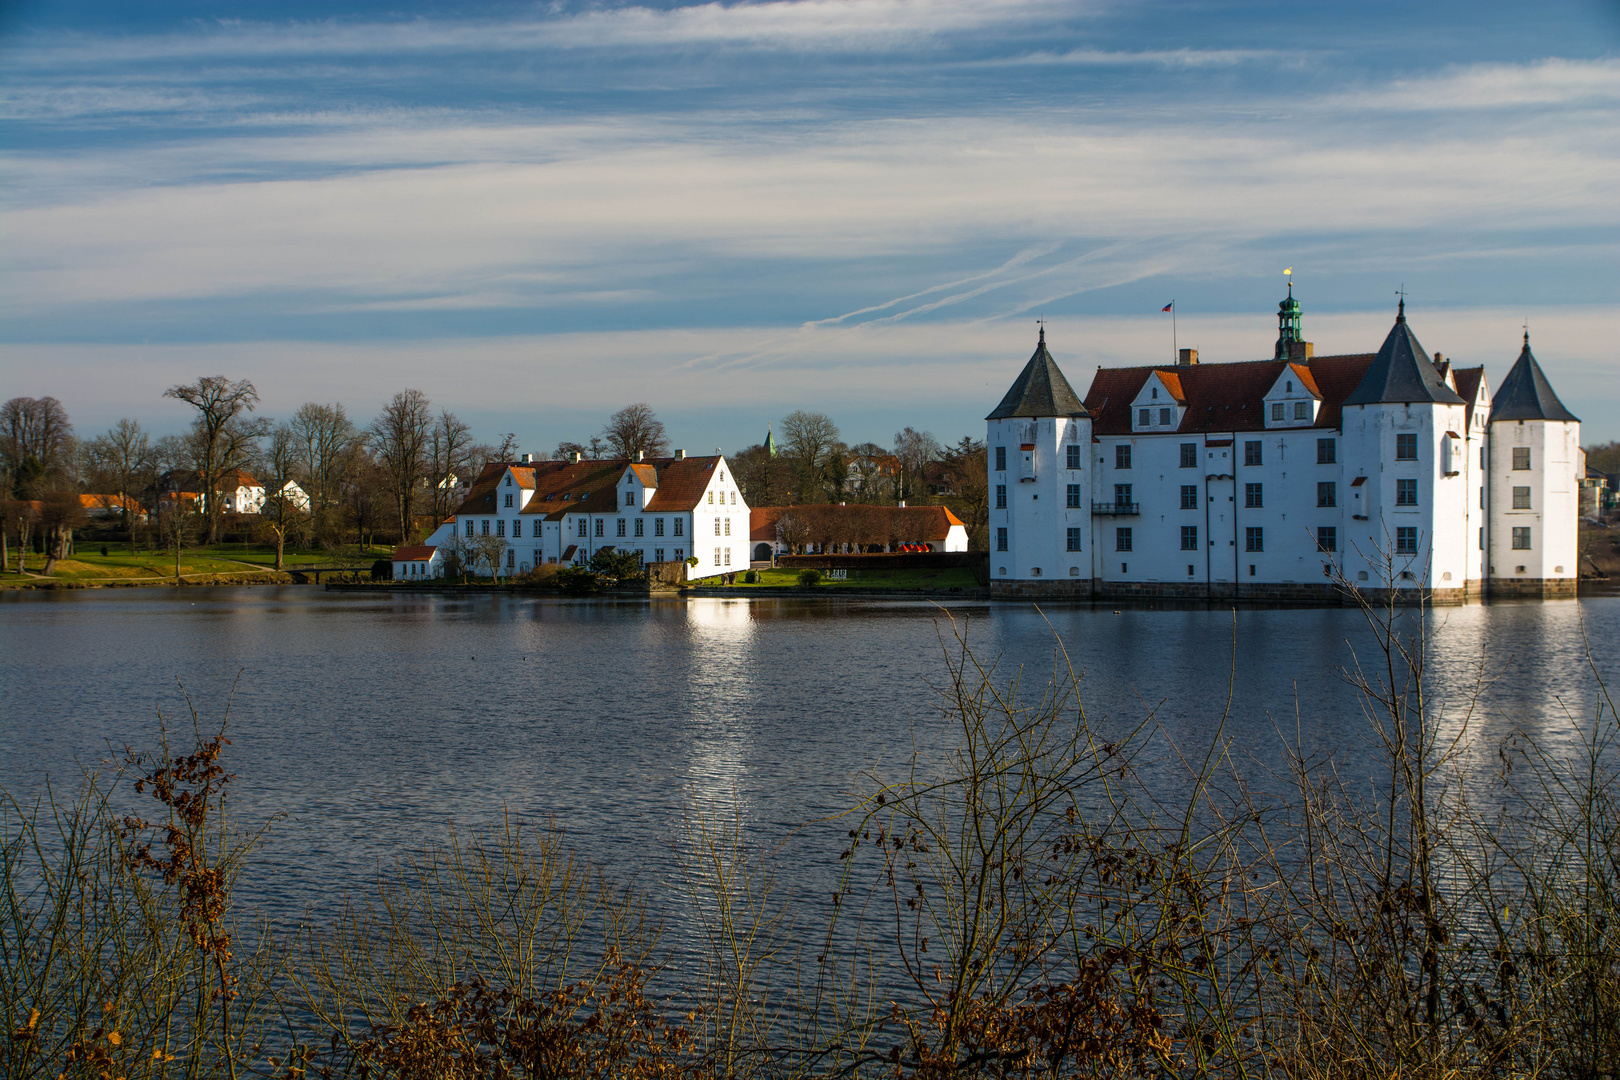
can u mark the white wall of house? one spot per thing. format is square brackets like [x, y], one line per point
[1542, 498]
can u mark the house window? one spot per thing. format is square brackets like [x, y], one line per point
[1326, 451]
[1189, 496]
[1122, 539]
[1155, 393]
[727, 561]
[733, 498]
[1122, 494]
[680, 526]
[1276, 410]
[517, 529]
[680, 554]
[1001, 459]
[641, 526]
[600, 524]
[1406, 493]
[483, 527]
[728, 526]
[582, 526]
[1143, 417]
[508, 479]
[1122, 457]
[717, 556]
[1252, 496]
[1327, 493]
[1189, 538]
[500, 528]
[1251, 452]
[717, 526]
[1254, 538]
[711, 498]
[469, 526]
[1521, 539]
[1001, 539]
[620, 528]
[1074, 540]
[658, 555]
[1521, 458]
[1327, 538]
[508, 498]
[1406, 540]
[1189, 455]
[1406, 448]
[658, 529]
[1073, 456]
[1001, 496]
[1302, 410]
[1521, 498]
[1074, 495]
[1164, 417]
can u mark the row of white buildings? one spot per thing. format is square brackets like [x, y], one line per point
[1269, 479]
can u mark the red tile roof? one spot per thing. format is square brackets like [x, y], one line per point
[646, 474]
[1223, 397]
[1172, 383]
[563, 487]
[414, 553]
[907, 523]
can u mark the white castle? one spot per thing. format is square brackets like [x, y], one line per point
[1272, 479]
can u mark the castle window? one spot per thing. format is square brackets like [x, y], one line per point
[1327, 538]
[620, 531]
[1189, 455]
[1144, 417]
[1073, 456]
[1326, 452]
[517, 529]
[1074, 495]
[509, 495]
[680, 530]
[1277, 410]
[641, 525]
[1406, 540]
[1253, 496]
[1001, 496]
[1327, 493]
[469, 526]
[1251, 452]
[1254, 538]
[1302, 410]
[600, 525]
[1001, 459]
[1521, 458]
[1074, 540]
[1521, 498]
[1164, 417]
[1189, 496]
[582, 526]
[658, 529]
[1122, 457]
[1122, 539]
[1189, 538]
[717, 526]
[483, 527]
[1406, 448]
[1001, 539]
[1155, 393]
[1406, 493]
[1122, 495]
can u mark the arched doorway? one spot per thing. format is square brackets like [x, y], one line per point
[762, 553]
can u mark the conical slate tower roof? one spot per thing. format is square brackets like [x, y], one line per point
[1526, 394]
[1040, 390]
[1402, 372]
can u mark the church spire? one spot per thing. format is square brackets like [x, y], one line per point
[1288, 328]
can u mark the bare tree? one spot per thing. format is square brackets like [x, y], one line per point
[60, 513]
[793, 530]
[915, 450]
[222, 435]
[35, 441]
[566, 448]
[765, 479]
[633, 430]
[400, 437]
[325, 439]
[448, 450]
[283, 513]
[125, 457]
[869, 473]
[810, 441]
[969, 478]
[487, 551]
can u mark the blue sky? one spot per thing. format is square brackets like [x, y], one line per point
[538, 213]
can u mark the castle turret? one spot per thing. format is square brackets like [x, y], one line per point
[1039, 443]
[1534, 493]
[1291, 343]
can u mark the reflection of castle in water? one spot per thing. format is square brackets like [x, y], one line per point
[1268, 479]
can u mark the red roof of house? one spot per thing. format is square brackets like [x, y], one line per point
[564, 487]
[906, 523]
[1223, 397]
[414, 553]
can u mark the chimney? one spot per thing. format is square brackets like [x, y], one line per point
[573, 457]
[1188, 358]
[1301, 350]
[527, 459]
[680, 455]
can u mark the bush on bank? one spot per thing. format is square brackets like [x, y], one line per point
[1025, 907]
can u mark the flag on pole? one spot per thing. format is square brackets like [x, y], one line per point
[1288, 270]
[1168, 306]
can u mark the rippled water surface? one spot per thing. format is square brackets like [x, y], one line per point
[369, 721]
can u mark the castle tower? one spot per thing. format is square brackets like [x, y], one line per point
[1291, 343]
[1039, 446]
[1403, 466]
[1533, 491]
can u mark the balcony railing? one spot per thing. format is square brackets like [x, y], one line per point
[1116, 508]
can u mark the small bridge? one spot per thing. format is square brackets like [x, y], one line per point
[303, 573]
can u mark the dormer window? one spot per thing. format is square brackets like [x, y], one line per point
[1290, 387]
[1155, 393]
[508, 479]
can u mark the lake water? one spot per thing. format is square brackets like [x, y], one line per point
[370, 721]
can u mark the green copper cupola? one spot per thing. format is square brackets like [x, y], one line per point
[1290, 339]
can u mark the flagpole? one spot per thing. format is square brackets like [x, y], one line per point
[1175, 342]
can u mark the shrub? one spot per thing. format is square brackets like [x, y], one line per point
[809, 578]
[577, 579]
[751, 578]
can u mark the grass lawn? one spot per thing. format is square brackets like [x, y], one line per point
[265, 555]
[91, 565]
[945, 578]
